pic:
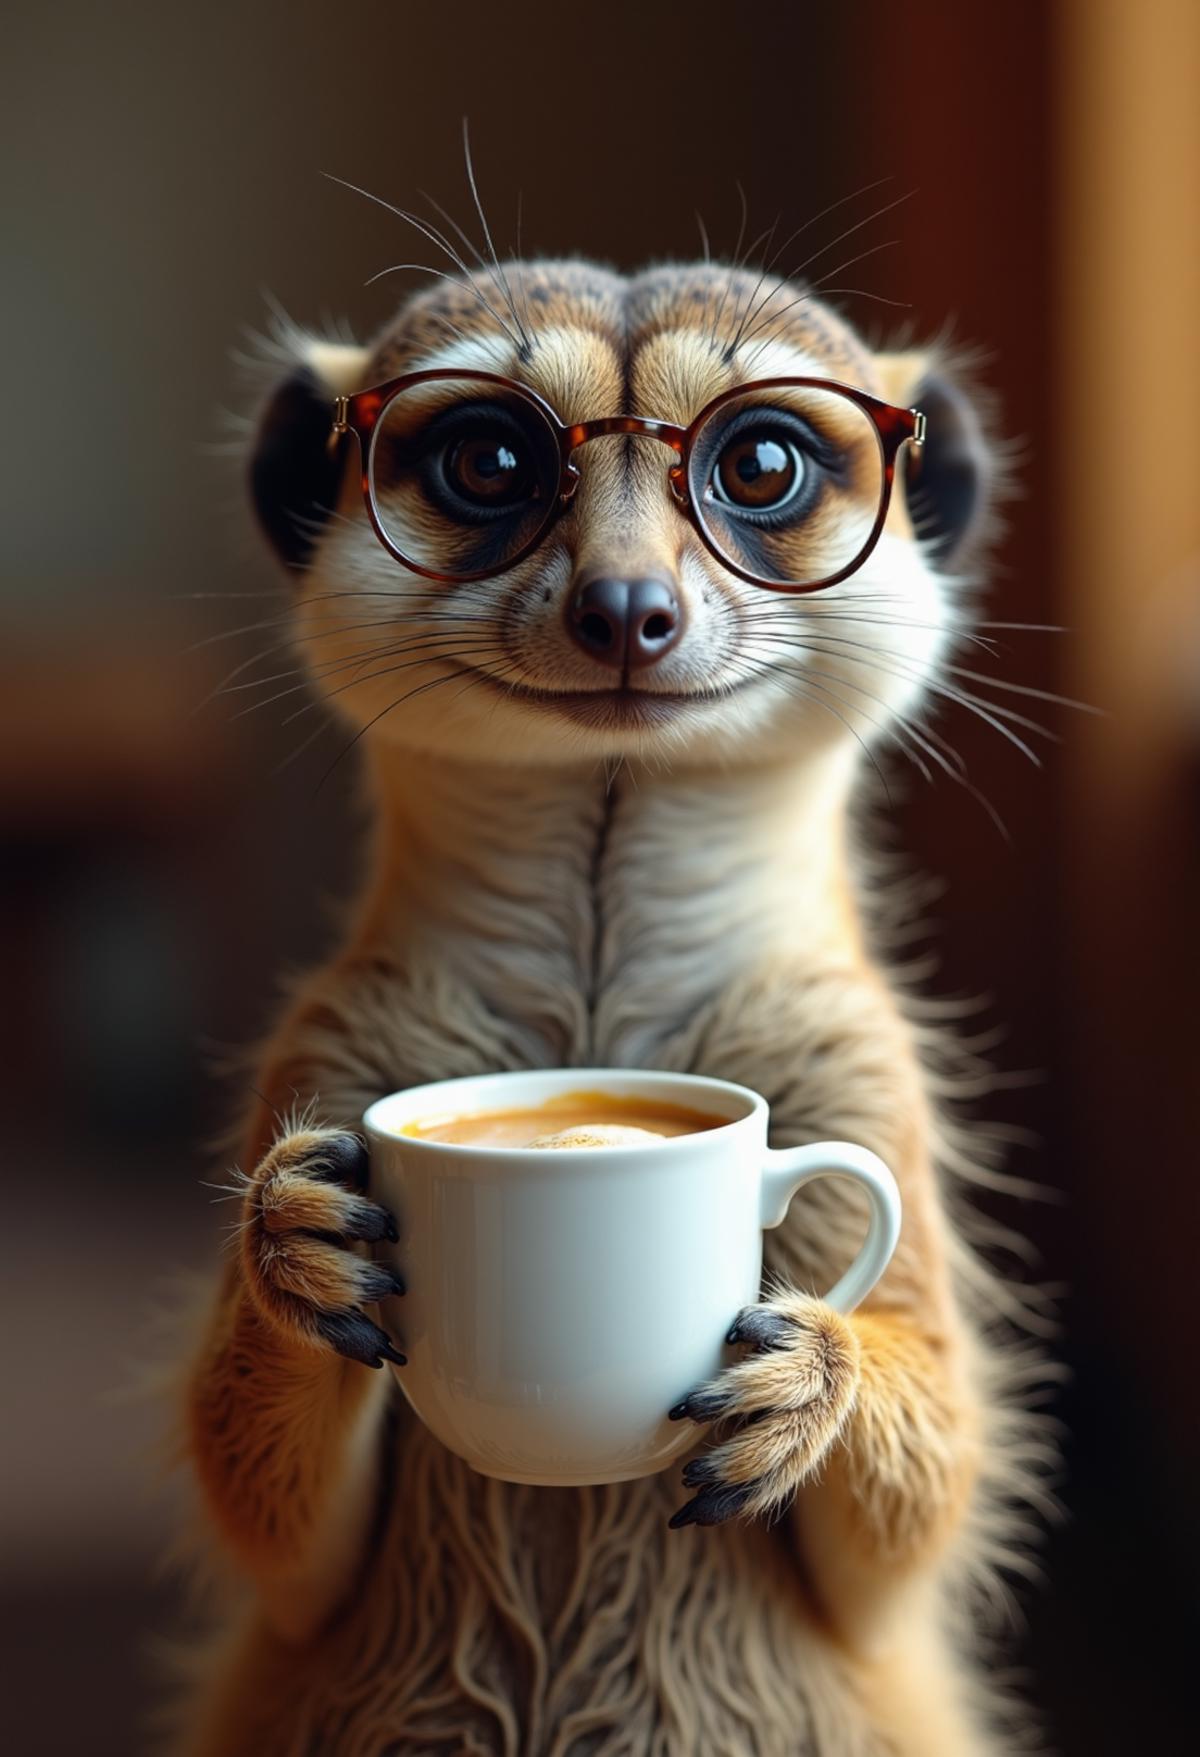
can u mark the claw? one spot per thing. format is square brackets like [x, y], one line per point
[761, 1327]
[713, 1505]
[706, 1404]
[353, 1334]
[380, 1281]
[368, 1221]
[343, 1159]
[340, 1159]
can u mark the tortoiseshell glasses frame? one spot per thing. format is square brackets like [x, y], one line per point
[362, 414]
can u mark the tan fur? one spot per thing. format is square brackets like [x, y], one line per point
[690, 897]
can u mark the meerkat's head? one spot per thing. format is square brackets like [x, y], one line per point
[566, 562]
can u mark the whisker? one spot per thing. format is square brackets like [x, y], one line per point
[792, 236]
[1026, 689]
[952, 764]
[887, 208]
[862, 293]
[742, 256]
[851, 261]
[440, 274]
[885, 727]
[1027, 627]
[823, 214]
[489, 676]
[431, 649]
[898, 727]
[955, 767]
[300, 633]
[835, 647]
[434, 236]
[317, 669]
[482, 650]
[468, 242]
[776, 317]
[990, 712]
[737, 248]
[521, 261]
[305, 744]
[500, 285]
[872, 647]
[374, 721]
[797, 685]
[526, 348]
[294, 638]
[326, 667]
[764, 238]
[811, 614]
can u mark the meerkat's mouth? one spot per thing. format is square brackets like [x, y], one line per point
[626, 707]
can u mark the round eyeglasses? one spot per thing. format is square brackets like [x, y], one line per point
[787, 481]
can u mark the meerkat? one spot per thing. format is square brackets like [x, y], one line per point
[616, 761]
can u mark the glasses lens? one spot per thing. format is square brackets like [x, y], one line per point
[788, 481]
[463, 475]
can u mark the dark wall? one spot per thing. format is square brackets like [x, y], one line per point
[160, 867]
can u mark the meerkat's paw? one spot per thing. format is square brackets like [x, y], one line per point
[789, 1399]
[304, 1210]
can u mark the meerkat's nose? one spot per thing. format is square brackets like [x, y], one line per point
[625, 624]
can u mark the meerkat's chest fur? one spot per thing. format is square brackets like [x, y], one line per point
[595, 918]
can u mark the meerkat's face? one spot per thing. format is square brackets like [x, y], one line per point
[621, 632]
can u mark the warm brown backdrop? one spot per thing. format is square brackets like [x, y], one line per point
[162, 168]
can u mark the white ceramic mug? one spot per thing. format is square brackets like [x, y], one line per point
[561, 1301]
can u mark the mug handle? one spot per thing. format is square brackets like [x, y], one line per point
[786, 1170]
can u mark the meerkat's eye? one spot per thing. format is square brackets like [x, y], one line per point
[461, 482]
[766, 464]
[490, 468]
[760, 470]
[789, 491]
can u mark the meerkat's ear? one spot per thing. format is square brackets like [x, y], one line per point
[295, 476]
[951, 482]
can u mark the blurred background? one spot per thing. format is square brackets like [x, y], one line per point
[162, 172]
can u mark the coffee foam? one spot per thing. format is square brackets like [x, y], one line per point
[600, 1135]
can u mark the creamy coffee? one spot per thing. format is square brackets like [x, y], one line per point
[573, 1119]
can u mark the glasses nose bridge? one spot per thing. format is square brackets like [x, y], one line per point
[637, 426]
